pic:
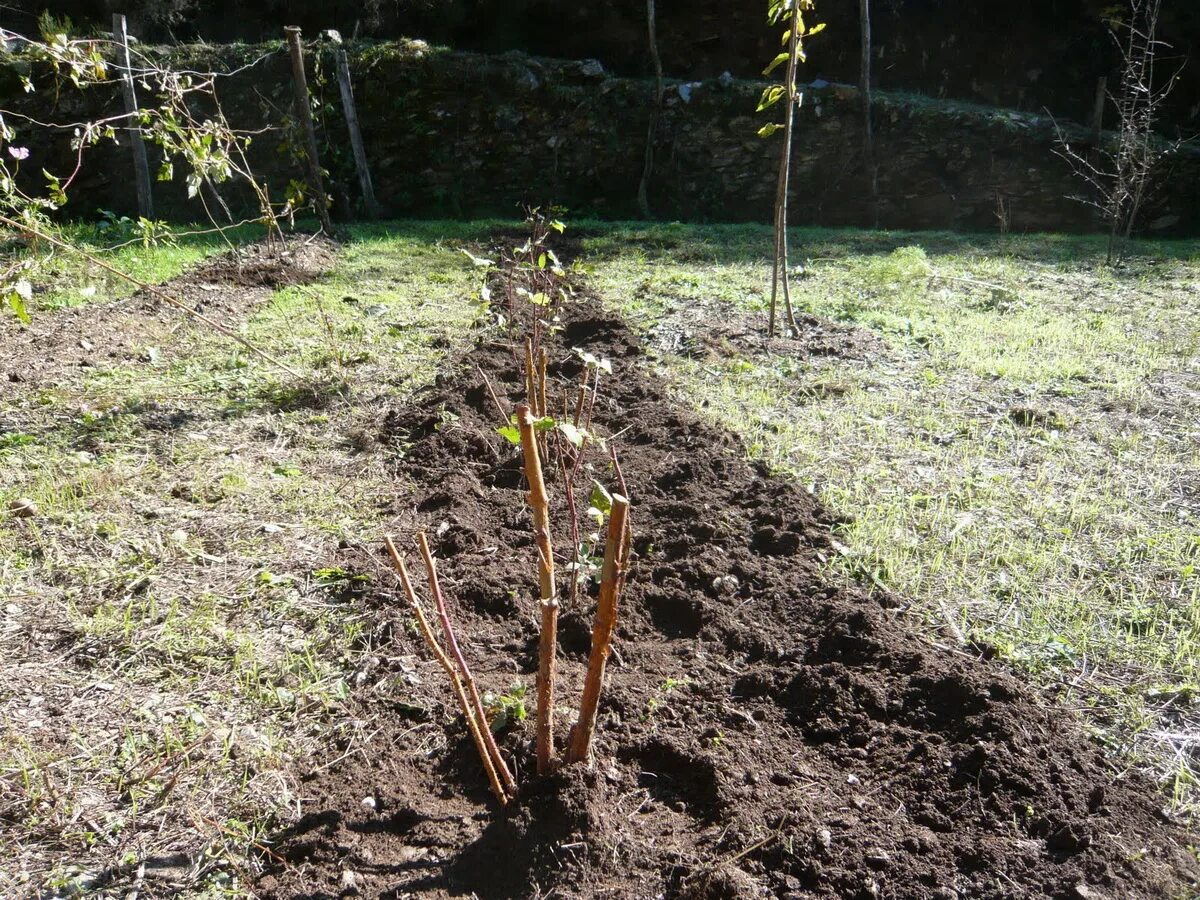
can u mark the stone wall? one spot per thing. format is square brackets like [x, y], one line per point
[1026, 54]
[454, 133]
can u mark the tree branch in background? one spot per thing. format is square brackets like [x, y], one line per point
[157, 292]
[1120, 172]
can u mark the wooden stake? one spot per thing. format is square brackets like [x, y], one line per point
[473, 725]
[303, 112]
[539, 504]
[370, 205]
[141, 167]
[452, 643]
[616, 557]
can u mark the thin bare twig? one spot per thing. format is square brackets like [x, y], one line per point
[473, 724]
[492, 393]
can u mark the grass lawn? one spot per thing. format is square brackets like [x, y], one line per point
[1016, 455]
[178, 621]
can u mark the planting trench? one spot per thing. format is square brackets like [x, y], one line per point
[764, 731]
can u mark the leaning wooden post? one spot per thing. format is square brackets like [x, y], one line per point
[616, 558]
[1098, 110]
[303, 113]
[141, 167]
[370, 205]
[539, 503]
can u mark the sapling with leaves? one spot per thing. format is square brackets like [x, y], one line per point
[553, 427]
[789, 13]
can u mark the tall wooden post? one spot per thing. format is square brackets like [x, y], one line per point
[652, 129]
[303, 113]
[356, 142]
[141, 167]
[864, 87]
[1098, 109]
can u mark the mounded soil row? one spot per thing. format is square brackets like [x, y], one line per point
[765, 731]
[58, 346]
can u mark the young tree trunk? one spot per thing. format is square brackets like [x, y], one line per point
[781, 192]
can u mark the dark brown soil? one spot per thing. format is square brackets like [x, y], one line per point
[764, 733]
[54, 347]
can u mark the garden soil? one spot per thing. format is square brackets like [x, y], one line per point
[56, 348]
[766, 730]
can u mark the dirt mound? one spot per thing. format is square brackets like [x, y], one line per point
[57, 343]
[765, 733]
[300, 262]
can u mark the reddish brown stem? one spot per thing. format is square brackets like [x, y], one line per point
[612, 452]
[543, 361]
[616, 556]
[579, 404]
[539, 504]
[531, 391]
[587, 425]
[473, 725]
[463, 670]
[573, 518]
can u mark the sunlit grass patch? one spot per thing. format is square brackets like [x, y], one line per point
[180, 611]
